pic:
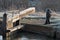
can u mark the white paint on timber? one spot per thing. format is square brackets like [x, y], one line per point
[27, 10]
[15, 19]
[18, 15]
[15, 28]
[23, 13]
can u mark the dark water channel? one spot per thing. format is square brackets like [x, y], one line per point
[23, 35]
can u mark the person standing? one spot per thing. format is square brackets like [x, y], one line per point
[48, 16]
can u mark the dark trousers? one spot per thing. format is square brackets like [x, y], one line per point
[47, 21]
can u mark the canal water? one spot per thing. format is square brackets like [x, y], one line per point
[24, 35]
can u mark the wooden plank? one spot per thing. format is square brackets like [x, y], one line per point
[15, 28]
[9, 24]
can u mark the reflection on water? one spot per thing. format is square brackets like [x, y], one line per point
[28, 36]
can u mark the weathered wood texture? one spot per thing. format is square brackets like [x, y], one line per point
[15, 28]
[19, 16]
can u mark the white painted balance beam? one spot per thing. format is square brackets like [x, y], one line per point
[23, 13]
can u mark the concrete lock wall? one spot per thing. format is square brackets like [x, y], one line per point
[47, 31]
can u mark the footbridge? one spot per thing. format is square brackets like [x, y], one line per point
[10, 21]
